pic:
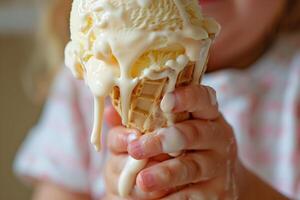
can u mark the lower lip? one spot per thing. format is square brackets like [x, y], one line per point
[204, 2]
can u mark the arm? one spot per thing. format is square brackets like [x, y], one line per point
[50, 191]
[252, 187]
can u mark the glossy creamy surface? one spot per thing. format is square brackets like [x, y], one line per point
[129, 174]
[109, 38]
[120, 42]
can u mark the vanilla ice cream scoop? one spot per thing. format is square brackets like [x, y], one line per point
[119, 42]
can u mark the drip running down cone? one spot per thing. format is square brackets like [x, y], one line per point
[136, 51]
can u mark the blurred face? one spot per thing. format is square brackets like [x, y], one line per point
[245, 25]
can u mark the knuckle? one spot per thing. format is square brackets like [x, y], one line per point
[184, 170]
[191, 169]
[166, 174]
[195, 172]
[194, 133]
[197, 167]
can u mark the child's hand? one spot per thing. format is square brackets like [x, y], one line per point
[205, 168]
[207, 139]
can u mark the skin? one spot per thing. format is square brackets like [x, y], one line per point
[232, 15]
[204, 163]
[206, 136]
[239, 20]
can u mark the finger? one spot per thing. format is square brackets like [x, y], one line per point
[206, 190]
[189, 135]
[119, 137]
[199, 100]
[190, 168]
[138, 193]
[112, 117]
[112, 173]
[116, 162]
[221, 187]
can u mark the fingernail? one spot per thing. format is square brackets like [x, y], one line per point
[131, 137]
[135, 149]
[168, 103]
[212, 96]
[147, 180]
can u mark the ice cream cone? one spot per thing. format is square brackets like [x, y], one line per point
[145, 113]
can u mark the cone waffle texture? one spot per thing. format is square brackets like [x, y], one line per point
[145, 113]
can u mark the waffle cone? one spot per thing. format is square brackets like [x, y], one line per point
[145, 113]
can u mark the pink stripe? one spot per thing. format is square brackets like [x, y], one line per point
[58, 157]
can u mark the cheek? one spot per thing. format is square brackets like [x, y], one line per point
[243, 23]
[243, 14]
[222, 10]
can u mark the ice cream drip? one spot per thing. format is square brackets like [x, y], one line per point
[109, 37]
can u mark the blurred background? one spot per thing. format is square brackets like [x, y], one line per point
[17, 112]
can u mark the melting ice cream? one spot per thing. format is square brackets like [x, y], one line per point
[118, 42]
